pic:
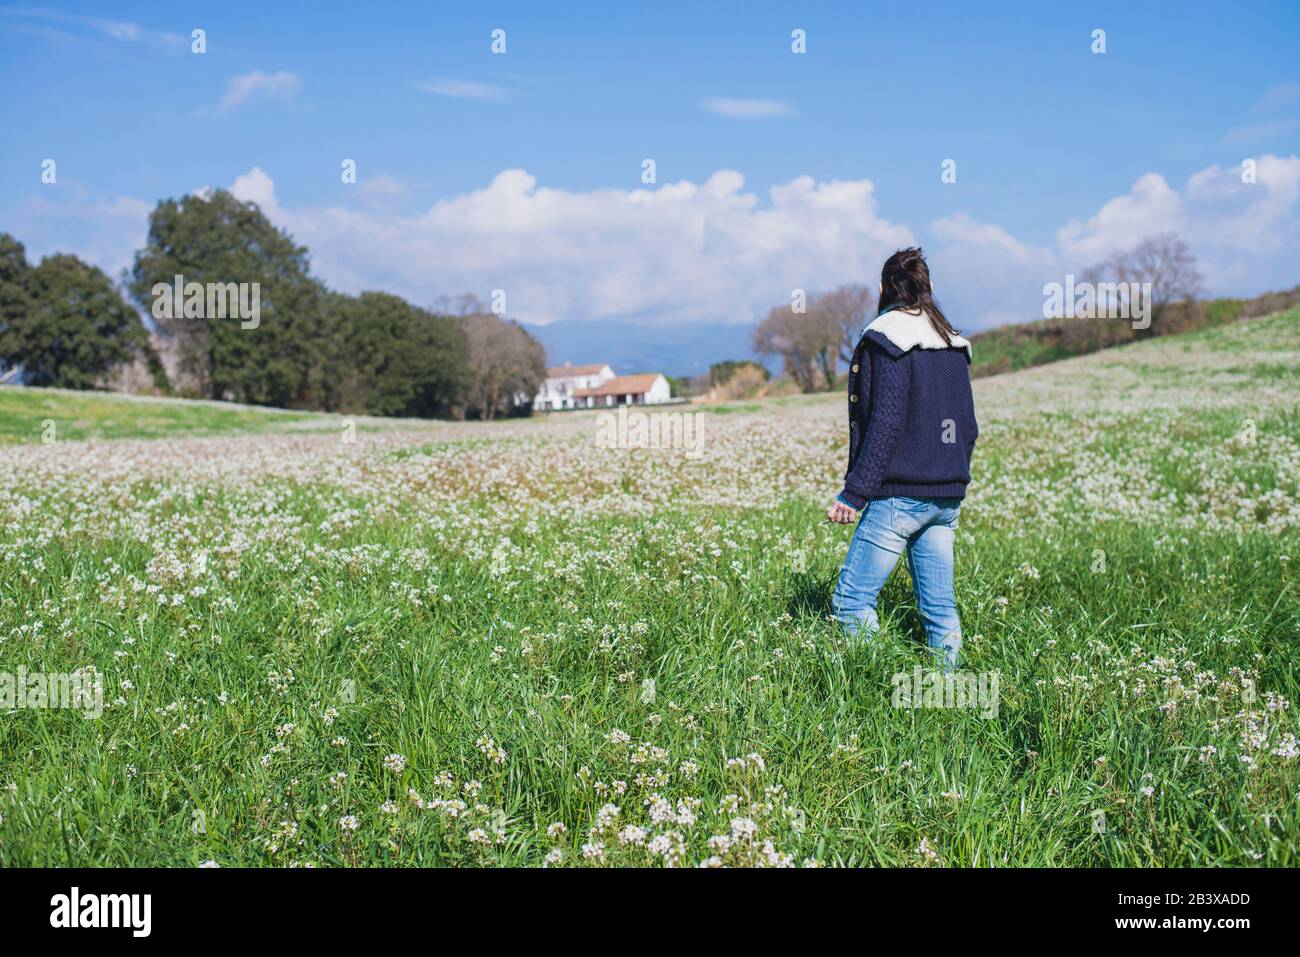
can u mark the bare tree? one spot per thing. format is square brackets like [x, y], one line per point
[1164, 261]
[466, 304]
[509, 365]
[848, 308]
[813, 343]
[788, 334]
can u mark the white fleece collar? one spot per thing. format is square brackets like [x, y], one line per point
[912, 330]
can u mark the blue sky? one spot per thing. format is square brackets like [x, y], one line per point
[1055, 145]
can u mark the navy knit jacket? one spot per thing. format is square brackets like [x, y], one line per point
[912, 422]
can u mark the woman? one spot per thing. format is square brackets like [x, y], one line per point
[911, 433]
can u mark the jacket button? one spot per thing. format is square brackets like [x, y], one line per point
[853, 398]
[855, 367]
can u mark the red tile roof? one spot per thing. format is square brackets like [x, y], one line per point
[621, 385]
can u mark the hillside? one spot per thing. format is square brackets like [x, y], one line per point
[1018, 346]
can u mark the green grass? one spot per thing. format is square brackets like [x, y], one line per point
[1128, 574]
[27, 415]
[730, 408]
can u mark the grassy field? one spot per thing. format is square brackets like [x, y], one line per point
[52, 415]
[35, 415]
[502, 644]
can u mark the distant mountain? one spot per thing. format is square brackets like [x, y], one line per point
[679, 350]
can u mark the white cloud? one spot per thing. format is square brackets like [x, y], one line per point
[463, 89]
[746, 109]
[712, 251]
[1247, 234]
[1225, 220]
[1149, 207]
[281, 85]
[382, 191]
[121, 30]
[961, 229]
[1246, 237]
[684, 252]
[108, 231]
[984, 276]
[1259, 132]
[1278, 97]
[255, 187]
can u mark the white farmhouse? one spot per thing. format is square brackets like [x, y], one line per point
[596, 387]
[563, 381]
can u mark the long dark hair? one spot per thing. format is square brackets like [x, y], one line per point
[905, 284]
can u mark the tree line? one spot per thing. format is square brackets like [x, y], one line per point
[67, 324]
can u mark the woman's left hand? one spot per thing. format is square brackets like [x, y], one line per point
[841, 514]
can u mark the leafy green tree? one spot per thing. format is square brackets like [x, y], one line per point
[64, 321]
[15, 296]
[678, 386]
[437, 363]
[216, 239]
[395, 359]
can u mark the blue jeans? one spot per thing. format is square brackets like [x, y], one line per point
[926, 528]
